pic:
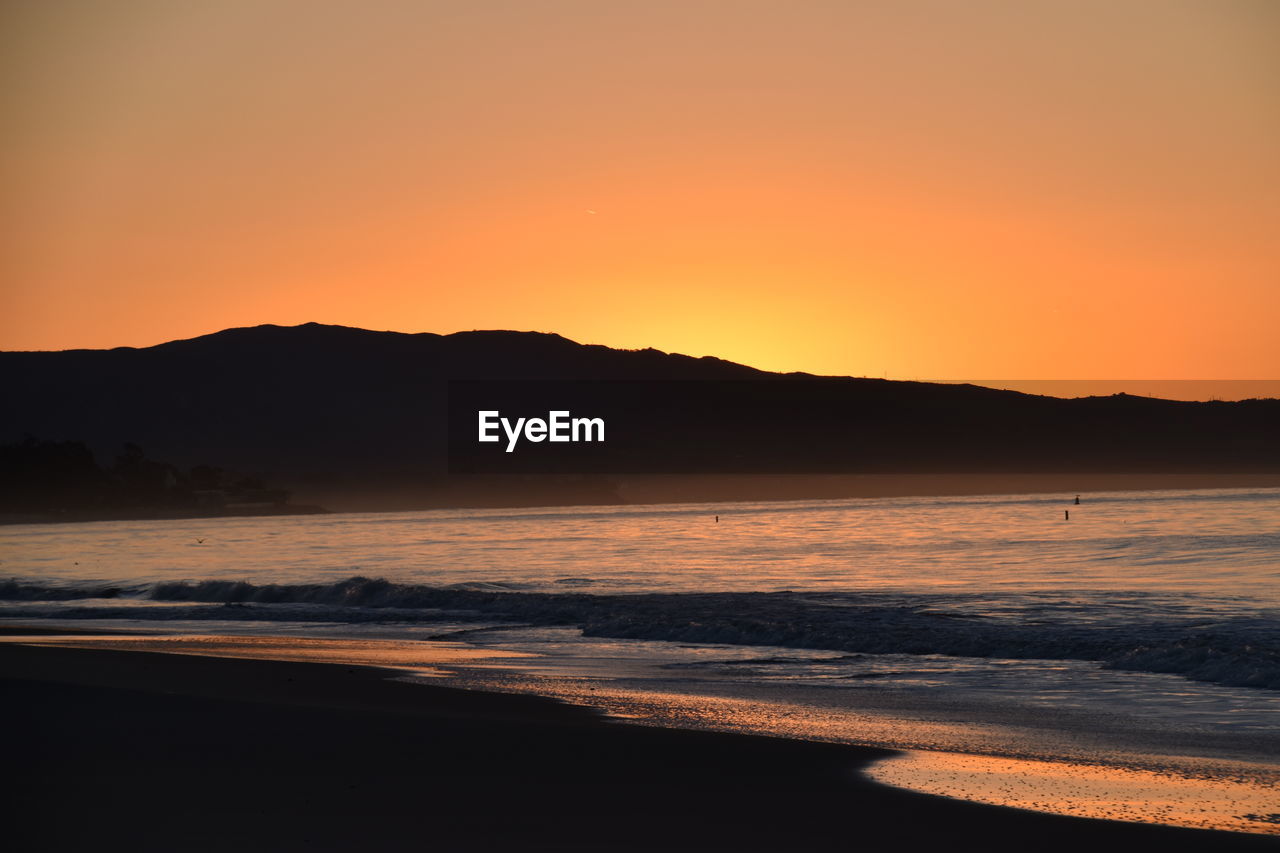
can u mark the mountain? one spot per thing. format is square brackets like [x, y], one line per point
[300, 399]
[339, 408]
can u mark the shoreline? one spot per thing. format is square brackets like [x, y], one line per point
[271, 755]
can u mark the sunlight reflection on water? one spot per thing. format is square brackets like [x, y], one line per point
[1215, 543]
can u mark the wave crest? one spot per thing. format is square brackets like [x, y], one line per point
[1235, 652]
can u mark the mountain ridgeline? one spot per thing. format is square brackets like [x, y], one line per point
[334, 408]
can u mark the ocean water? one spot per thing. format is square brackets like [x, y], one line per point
[1135, 644]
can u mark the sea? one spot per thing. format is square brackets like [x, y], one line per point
[1114, 657]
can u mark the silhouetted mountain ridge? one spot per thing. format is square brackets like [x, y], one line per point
[351, 405]
[481, 354]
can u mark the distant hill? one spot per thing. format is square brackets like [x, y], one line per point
[301, 399]
[343, 408]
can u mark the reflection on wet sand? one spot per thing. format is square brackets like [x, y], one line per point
[1167, 789]
[1157, 788]
[422, 658]
[1085, 790]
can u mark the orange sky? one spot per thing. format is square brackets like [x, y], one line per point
[1084, 189]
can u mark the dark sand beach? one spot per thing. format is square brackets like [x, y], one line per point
[143, 751]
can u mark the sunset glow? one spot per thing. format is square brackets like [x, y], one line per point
[928, 190]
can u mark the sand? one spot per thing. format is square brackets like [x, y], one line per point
[125, 750]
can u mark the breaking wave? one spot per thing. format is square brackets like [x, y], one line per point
[1232, 651]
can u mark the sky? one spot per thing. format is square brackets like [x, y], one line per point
[917, 189]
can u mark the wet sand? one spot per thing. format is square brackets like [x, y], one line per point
[123, 750]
